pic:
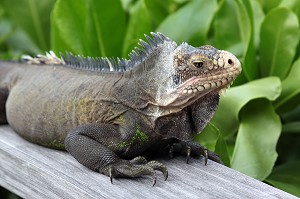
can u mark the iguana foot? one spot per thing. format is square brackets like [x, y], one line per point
[193, 148]
[136, 167]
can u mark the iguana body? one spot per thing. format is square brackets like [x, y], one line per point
[104, 112]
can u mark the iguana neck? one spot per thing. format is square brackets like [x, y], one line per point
[141, 86]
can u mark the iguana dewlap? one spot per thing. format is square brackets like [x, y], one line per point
[106, 111]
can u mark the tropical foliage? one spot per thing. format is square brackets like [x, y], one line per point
[257, 127]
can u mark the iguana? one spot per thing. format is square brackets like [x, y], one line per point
[105, 111]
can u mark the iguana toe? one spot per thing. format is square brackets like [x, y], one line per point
[136, 167]
[139, 160]
[160, 167]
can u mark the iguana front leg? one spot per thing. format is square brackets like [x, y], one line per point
[201, 113]
[95, 146]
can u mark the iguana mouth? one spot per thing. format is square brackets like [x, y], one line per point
[198, 86]
[203, 84]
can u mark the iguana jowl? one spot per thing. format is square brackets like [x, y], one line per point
[105, 111]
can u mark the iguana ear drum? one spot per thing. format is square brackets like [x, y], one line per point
[176, 79]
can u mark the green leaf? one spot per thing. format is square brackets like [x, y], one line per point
[126, 4]
[258, 18]
[222, 151]
[16, 40]
[291, 4]
[33, 16]
[193, 20]
[58, 44]
[226, 117]
[292, 115]
[246, 24]
[21, 41]
[255, 149]
[286, 177]
[269, 4]
[288, 147]
[141, 21]
[208, 137]
[293, 127]
[69, 20]
[212, 139]
[225, 25]
[290, 89]
[86, 26]
[103, 15]
[158, 10]
[6, 30]
[279, 39]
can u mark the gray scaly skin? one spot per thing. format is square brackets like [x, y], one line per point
[106, 111]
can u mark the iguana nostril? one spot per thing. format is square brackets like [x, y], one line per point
[230, 61]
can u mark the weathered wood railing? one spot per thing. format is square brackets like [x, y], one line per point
[32, 171]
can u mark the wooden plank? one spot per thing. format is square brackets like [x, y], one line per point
[32, 171]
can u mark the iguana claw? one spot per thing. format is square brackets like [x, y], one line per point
[160, 167]
[193, 148]
[188, 154]
[136, 167]
[154, 178]
[110, 175]
[205, 151]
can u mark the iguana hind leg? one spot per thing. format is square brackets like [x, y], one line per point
[3, 98]
[92, 145]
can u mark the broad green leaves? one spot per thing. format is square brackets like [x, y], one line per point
[287, 177]
[69, 25]
[193, 20]
[237, 97]
[87, 27]
[145, 17]
[140, 15]
[251, 102]
[225, 26]
[279, 39]
[290, 89]
[292, 127]
[246, 24]
[33, 16]
[255, 149]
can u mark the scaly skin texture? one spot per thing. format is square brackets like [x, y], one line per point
[103, 112]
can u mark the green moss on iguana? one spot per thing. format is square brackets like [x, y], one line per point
[139, 138]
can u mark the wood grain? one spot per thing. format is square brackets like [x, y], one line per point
[32, 171]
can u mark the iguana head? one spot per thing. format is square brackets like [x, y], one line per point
[194, 73]
[171, 76]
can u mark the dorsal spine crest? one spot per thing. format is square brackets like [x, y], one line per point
[104, 64]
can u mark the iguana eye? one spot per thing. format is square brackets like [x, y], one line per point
[198, 64]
